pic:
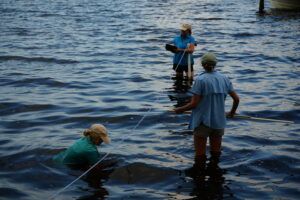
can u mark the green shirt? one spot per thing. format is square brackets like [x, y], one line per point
[82, 152]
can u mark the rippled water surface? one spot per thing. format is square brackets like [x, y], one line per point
[68, 64]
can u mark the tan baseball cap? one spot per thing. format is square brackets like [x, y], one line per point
[101, 132]
[185, 27]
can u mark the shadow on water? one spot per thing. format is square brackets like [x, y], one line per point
[150, 182]
[141, 173]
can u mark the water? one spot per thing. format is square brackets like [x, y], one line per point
[68, 64]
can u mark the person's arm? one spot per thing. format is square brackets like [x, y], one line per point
[195, 101]
[189, 50]
[235, 104]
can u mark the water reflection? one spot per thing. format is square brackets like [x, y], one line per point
[281, 14]
[208, 178]
[181, 87]
[95, 179]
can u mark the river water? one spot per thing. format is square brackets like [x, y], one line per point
[68, 64]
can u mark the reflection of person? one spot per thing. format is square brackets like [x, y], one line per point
[185, 44]
[208, 183]
[208, 103]
[84, 151]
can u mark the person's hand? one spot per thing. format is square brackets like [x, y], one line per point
[179, 50]
[178, 111]
[229, 115]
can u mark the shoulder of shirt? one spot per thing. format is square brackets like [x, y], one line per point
[192, 38]
[87, 141]
[220, 74]
[177, 37]
[205, 75]
[200, 76]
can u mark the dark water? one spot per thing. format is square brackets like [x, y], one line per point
[68, 64]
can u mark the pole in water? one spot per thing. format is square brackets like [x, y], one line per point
[189, 74]
[261, 6]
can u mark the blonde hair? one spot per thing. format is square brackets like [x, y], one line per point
[91, 134]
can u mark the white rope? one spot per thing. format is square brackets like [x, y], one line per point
[109, 152]
[180, 59]
[64, 188]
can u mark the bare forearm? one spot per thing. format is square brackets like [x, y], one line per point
[195, 101]
[187, 107]
[235, 104]
[185, 50]
[234, 107]
[188, 50]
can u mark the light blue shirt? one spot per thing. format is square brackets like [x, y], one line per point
[183, 44]
[213, 88]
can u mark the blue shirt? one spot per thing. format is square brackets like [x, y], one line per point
[183, 44]
[82, 152]
[213, 88]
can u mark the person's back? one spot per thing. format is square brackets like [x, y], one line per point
[82, 152]
[213, 88]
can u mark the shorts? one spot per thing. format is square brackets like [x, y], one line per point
[182, 68]
[204, 131]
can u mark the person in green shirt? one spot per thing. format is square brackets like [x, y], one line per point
[84, 153]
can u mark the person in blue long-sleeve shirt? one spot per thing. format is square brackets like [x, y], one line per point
[208, 118]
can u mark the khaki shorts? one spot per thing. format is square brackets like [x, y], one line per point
[205, 131]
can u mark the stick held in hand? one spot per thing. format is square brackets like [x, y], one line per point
[244, 117]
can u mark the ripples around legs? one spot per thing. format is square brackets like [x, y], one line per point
[69, 64]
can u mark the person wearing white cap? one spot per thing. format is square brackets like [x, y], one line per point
[84, 151]
[208, 107]
[185, 44]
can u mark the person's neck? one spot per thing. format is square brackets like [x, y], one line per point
[183, 37]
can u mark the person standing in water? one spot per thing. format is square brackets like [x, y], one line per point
[84, 153]
[185, 45]
[208, 118]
